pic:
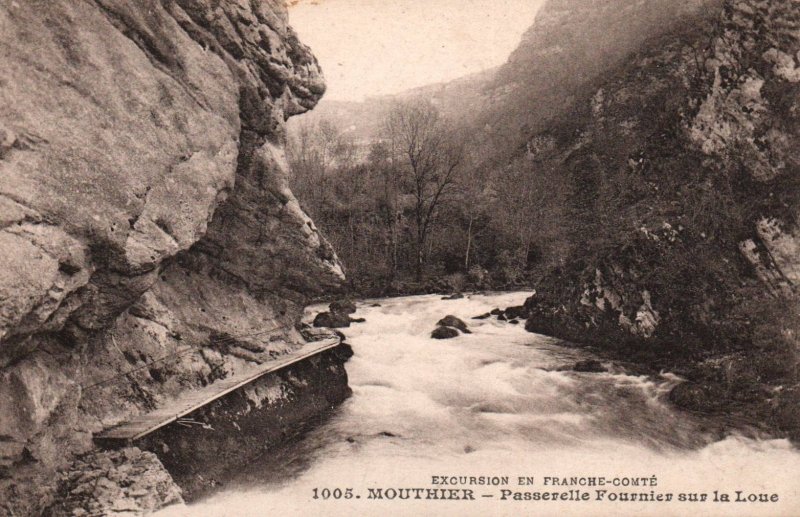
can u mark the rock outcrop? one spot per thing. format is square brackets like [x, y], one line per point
[146, 225]
[589, 366]
[121, 482]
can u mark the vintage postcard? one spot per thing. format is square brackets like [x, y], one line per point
[399, 257]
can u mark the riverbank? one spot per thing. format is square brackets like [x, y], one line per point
[738, 384]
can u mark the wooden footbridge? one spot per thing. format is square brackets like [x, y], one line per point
[142, 425]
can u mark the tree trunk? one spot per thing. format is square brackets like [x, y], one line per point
[420, 260]
[420, 244]
[469, 244]
[395, 245]
[527, 248]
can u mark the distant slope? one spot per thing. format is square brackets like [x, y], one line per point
[459, 100]
[560, 58]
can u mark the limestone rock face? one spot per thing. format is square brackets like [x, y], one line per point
[749, 119]
[753, 68]
[124, 128]
[144, 211]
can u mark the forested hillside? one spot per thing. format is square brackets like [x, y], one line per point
[499, 220]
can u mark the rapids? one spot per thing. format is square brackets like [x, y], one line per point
[499, 402]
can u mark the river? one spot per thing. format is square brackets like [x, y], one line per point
[501, 402]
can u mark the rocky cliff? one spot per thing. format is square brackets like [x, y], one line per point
[679, 172]
[148, 239]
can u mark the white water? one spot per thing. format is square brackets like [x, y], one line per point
[493, 404]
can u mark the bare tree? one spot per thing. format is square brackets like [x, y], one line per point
[530, 203]
[383, 162]
[314, 153]
[430, 157]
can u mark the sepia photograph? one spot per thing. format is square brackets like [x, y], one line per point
[469, 258]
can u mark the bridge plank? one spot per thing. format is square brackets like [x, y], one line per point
[144, 424]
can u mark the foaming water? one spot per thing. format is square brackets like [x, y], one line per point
[496, 403]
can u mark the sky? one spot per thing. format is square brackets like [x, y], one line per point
[378, 47]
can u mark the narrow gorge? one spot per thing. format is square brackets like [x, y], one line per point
[626, 185]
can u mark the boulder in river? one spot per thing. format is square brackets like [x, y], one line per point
[452, 321]
[516, 312]
[482, 316]
[785, 412]
[444, 333]
[332, 320]
[589, 366]
[357, 320]
[697, 396]
[454, 296]
[310, 333]
[344, 351]
[343, 306]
